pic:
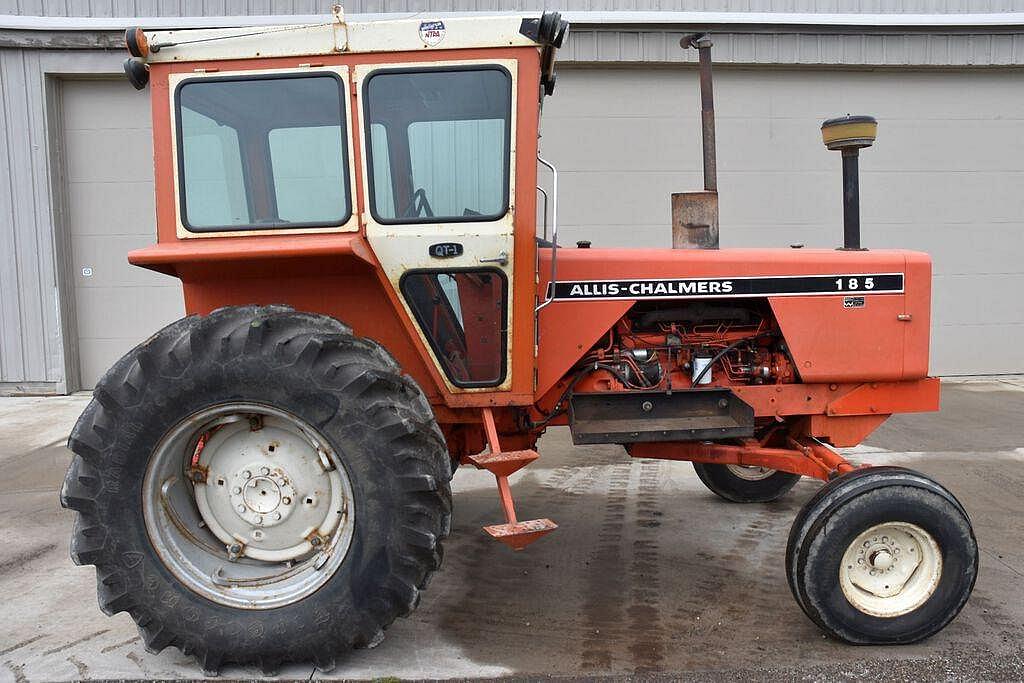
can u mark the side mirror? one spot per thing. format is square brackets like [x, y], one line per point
[137, 72]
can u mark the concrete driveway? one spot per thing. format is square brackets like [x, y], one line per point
[649, 573]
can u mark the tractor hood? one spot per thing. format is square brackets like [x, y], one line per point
[846, 315]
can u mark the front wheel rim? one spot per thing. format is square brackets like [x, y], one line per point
[248, 506]
[891, 569]
[750, 472]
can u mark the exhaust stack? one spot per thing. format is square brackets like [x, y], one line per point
[695, 214]
[849, 134]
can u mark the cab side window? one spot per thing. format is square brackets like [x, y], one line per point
[439, 144]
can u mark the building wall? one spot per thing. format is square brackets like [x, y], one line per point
[944, 176]
[181, 8]
[38, 325]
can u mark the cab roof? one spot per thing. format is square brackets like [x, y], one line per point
[336, 35]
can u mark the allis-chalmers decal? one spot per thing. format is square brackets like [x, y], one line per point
[722, 287]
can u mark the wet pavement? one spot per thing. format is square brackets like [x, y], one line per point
[649, 576]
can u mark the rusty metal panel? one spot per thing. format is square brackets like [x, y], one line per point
[649, 416]
[695, 220]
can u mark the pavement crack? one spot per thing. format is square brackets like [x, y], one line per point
[18, 646]
[18, 670]
[110, 648]
[19, 560]
[994, 557]
[76, 642]
[80, 666]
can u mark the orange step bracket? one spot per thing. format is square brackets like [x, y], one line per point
[513, 533]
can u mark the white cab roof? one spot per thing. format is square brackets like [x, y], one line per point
[336, 35]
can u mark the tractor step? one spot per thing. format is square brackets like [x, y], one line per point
[502, 464]
[518, 535]
[513, 533]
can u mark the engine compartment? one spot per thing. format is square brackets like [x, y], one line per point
[672, 345]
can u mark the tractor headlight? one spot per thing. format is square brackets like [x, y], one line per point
[136, 42]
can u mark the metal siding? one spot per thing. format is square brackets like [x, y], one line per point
[30, 350]
[596, 46]
[160, 8]
[12, 367]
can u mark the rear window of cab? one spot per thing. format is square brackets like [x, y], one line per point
[267, 152]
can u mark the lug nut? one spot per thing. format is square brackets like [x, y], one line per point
[247, 474]
[264, 471]
[320, 561]
[236, 490]
[241, 508]
[286, 501]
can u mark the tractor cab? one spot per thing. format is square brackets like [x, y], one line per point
[412, 143]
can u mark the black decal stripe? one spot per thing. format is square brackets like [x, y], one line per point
[724, 287]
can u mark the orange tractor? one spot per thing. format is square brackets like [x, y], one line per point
[353, 210]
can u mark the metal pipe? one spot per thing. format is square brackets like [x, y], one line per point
[707, 111]
[848, 134]
[851, 199]
[554, 235]
[545, 195]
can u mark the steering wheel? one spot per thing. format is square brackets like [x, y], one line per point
[418, 202]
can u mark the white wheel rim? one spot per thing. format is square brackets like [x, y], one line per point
[750, 473]
[248, 506]
[891, 569]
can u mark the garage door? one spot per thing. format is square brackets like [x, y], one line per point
[944, 177]
[109, 175]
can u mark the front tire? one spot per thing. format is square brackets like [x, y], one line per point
[882, 556]
[336, 443]
[740, 484]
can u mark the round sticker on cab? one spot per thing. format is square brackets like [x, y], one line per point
[432, 32]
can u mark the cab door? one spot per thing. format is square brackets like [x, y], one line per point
[438, 153]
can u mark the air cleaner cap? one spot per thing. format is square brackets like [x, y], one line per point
[846, 132]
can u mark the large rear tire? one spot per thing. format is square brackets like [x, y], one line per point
[281, 431]
[882, 556]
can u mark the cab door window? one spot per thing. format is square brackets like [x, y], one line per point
[439, 144]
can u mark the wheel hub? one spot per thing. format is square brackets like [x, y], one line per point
[264, 500]
[890, 569]
[751, 472]
[267, 489]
